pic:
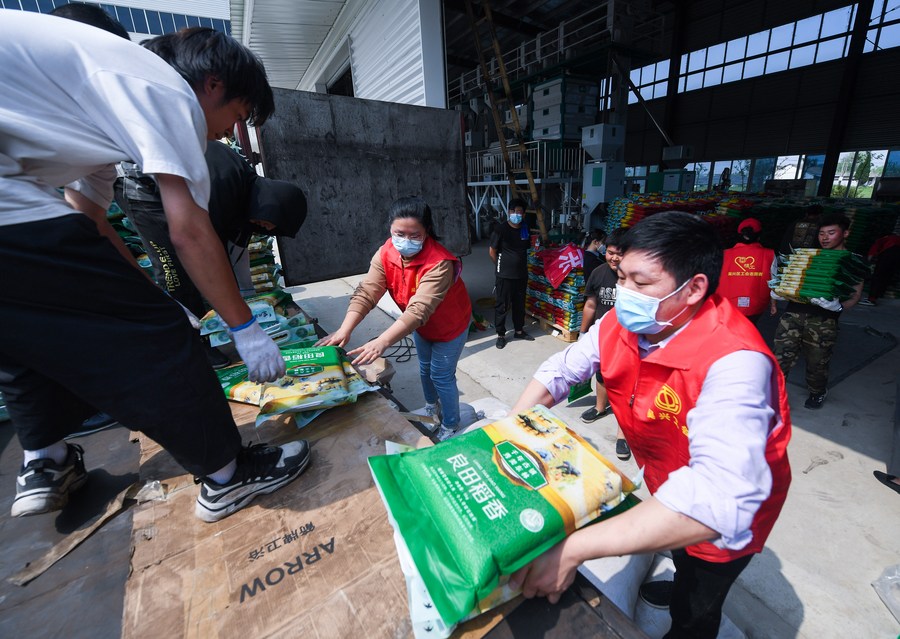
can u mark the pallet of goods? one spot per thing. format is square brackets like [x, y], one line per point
[556, 308]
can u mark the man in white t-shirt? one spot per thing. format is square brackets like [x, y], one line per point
[80, 325]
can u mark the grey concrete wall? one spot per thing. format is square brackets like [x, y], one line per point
[352, 158]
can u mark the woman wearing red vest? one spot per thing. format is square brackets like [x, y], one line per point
[423, 278]
[746, 271]
[703, 406]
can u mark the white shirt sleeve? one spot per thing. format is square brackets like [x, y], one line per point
[728, 477]
[576, 363]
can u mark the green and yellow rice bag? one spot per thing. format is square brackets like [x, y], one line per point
[317, 378]
[477, 507]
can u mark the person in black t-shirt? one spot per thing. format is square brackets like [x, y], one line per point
[594, 249]
[600, 297]
[241, 203]
[509, 250]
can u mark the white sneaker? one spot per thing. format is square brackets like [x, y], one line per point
[444, 433]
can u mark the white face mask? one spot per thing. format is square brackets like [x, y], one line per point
[636, 312]
[405, 246]
[515, 218]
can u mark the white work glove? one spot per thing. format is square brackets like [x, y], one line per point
[775, 296]
[259, 352]
[829, 305]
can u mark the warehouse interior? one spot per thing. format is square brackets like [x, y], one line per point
[597, 113]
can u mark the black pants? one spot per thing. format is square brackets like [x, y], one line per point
[510, 298]
[699, 592]
[149, 219]
[885, 268]
[80, 328]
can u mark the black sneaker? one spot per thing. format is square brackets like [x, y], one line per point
[592, 414]
[815, 400]
[523, 335]
[501, 341]
[866, 302]
[657, 593]
[44, 486]
[623, 451]
[261, 469]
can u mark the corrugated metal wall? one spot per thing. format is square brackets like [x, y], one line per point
[386, 53]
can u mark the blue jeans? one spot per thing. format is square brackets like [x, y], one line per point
[437, 368]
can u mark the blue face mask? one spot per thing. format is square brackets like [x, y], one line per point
[636, 312]
[405, 246]
[515, 218]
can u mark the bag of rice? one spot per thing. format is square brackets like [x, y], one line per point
[472, 510]
[316, 378]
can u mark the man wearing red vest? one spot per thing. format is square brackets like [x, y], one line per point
[746, 271]
[702, 403]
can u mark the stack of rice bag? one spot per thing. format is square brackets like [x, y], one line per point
[561, 306]
[628, 210]
[472, 510]
[276, 314]
[316, 379]
[867, 224]
[809, 273]
[263, 269]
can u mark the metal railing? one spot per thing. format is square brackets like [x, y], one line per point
[546, 159]
[602, 22]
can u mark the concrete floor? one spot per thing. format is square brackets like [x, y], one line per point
[839, 529]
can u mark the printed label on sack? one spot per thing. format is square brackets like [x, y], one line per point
[531, 520]
[519, 464]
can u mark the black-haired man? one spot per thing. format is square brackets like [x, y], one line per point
[80, 326]
[813, 328]
[90, 14]
[703, 406]
[509, 250]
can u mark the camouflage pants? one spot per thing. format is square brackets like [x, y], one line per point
[814, 337]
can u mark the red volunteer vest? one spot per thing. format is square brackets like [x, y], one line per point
[746, 269]
[652, 398]
[453, 314]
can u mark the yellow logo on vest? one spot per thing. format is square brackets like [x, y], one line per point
[745, 262]
[668, 400]
[668, 405]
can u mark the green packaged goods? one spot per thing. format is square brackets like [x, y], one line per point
[476, 508]
[212, 322]
[316, 378]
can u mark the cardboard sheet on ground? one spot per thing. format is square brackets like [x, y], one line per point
[316, 558]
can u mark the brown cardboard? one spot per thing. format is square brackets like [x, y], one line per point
[336, 576]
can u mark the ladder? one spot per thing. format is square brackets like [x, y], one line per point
[515, 188]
